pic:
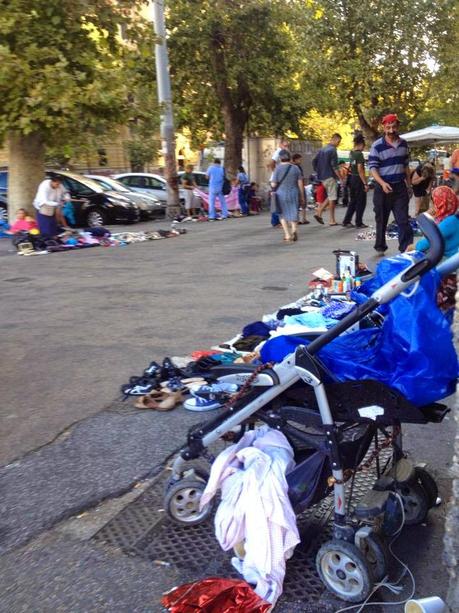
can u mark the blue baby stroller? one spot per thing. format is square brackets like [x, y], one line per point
[336, 428]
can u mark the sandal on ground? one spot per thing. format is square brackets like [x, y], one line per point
[164, 400]
[288, 240]
[333, 224]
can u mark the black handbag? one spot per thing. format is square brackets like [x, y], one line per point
[274, 205]
[226, 189]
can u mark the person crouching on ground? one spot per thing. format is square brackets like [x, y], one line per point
[288, 183]
[23, 223]
[50, 195]
[422, 179]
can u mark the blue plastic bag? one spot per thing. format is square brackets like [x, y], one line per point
[413, 352]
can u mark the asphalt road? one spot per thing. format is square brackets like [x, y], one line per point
[77, 325]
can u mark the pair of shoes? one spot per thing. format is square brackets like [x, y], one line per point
[319, 219]
[362, 225]
[348, 225]
[162, 400]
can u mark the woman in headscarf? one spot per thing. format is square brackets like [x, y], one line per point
[444, 209]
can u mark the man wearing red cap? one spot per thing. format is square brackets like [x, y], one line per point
[388, 163]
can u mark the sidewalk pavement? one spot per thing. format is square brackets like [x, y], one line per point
[78, 325]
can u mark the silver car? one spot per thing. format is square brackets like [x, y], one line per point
[149, 205]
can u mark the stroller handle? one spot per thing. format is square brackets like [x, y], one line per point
[435, 252]
[392, 288]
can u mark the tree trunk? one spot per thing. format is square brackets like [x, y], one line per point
[235, 123]
[370, 131]
[26, 164]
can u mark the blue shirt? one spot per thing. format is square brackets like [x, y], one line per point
[326, 162]
[449, 228]
[242, 178]
[215, 174]
[389, 160]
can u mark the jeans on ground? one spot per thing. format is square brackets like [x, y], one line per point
[242, 199]
[358, 201]
[212, 198]
[396, 202]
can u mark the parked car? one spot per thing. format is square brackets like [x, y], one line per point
[3, 181]
[95, 206]
[3, 208]
[149, 205]
[147, 183]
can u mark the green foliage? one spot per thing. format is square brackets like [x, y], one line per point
[442, 105]
[64, 69]
[371, 57]
[237, 59]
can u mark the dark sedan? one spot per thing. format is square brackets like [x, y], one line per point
[95, 206]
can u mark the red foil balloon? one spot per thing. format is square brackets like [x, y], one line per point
[215, 595]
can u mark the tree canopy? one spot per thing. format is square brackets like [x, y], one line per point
[233, 64]
[367, 58]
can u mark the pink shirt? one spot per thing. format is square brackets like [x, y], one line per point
[23, 225]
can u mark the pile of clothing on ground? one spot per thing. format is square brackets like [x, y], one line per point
[28, 243]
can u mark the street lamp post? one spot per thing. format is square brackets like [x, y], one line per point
[165, 102]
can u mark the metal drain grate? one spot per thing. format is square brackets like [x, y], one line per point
[143, 529]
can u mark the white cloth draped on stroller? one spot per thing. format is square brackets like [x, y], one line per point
[255, 508]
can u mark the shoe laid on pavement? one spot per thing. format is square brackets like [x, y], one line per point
[138, 388]
[198, 404]
[205, 391]
[153, 370]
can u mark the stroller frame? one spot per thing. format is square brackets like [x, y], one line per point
[303, 366]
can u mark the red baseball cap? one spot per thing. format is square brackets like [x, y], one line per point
[391, 118]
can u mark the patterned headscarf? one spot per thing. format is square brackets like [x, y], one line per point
[445, 202]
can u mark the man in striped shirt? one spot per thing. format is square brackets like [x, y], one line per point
[388, 163]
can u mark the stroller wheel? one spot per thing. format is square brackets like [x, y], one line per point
[428, 484]
[415, 502]
[182, 502]
[344, 570]
[375, 551]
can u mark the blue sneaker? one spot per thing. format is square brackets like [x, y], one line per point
[199, 404]
[215, 389]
